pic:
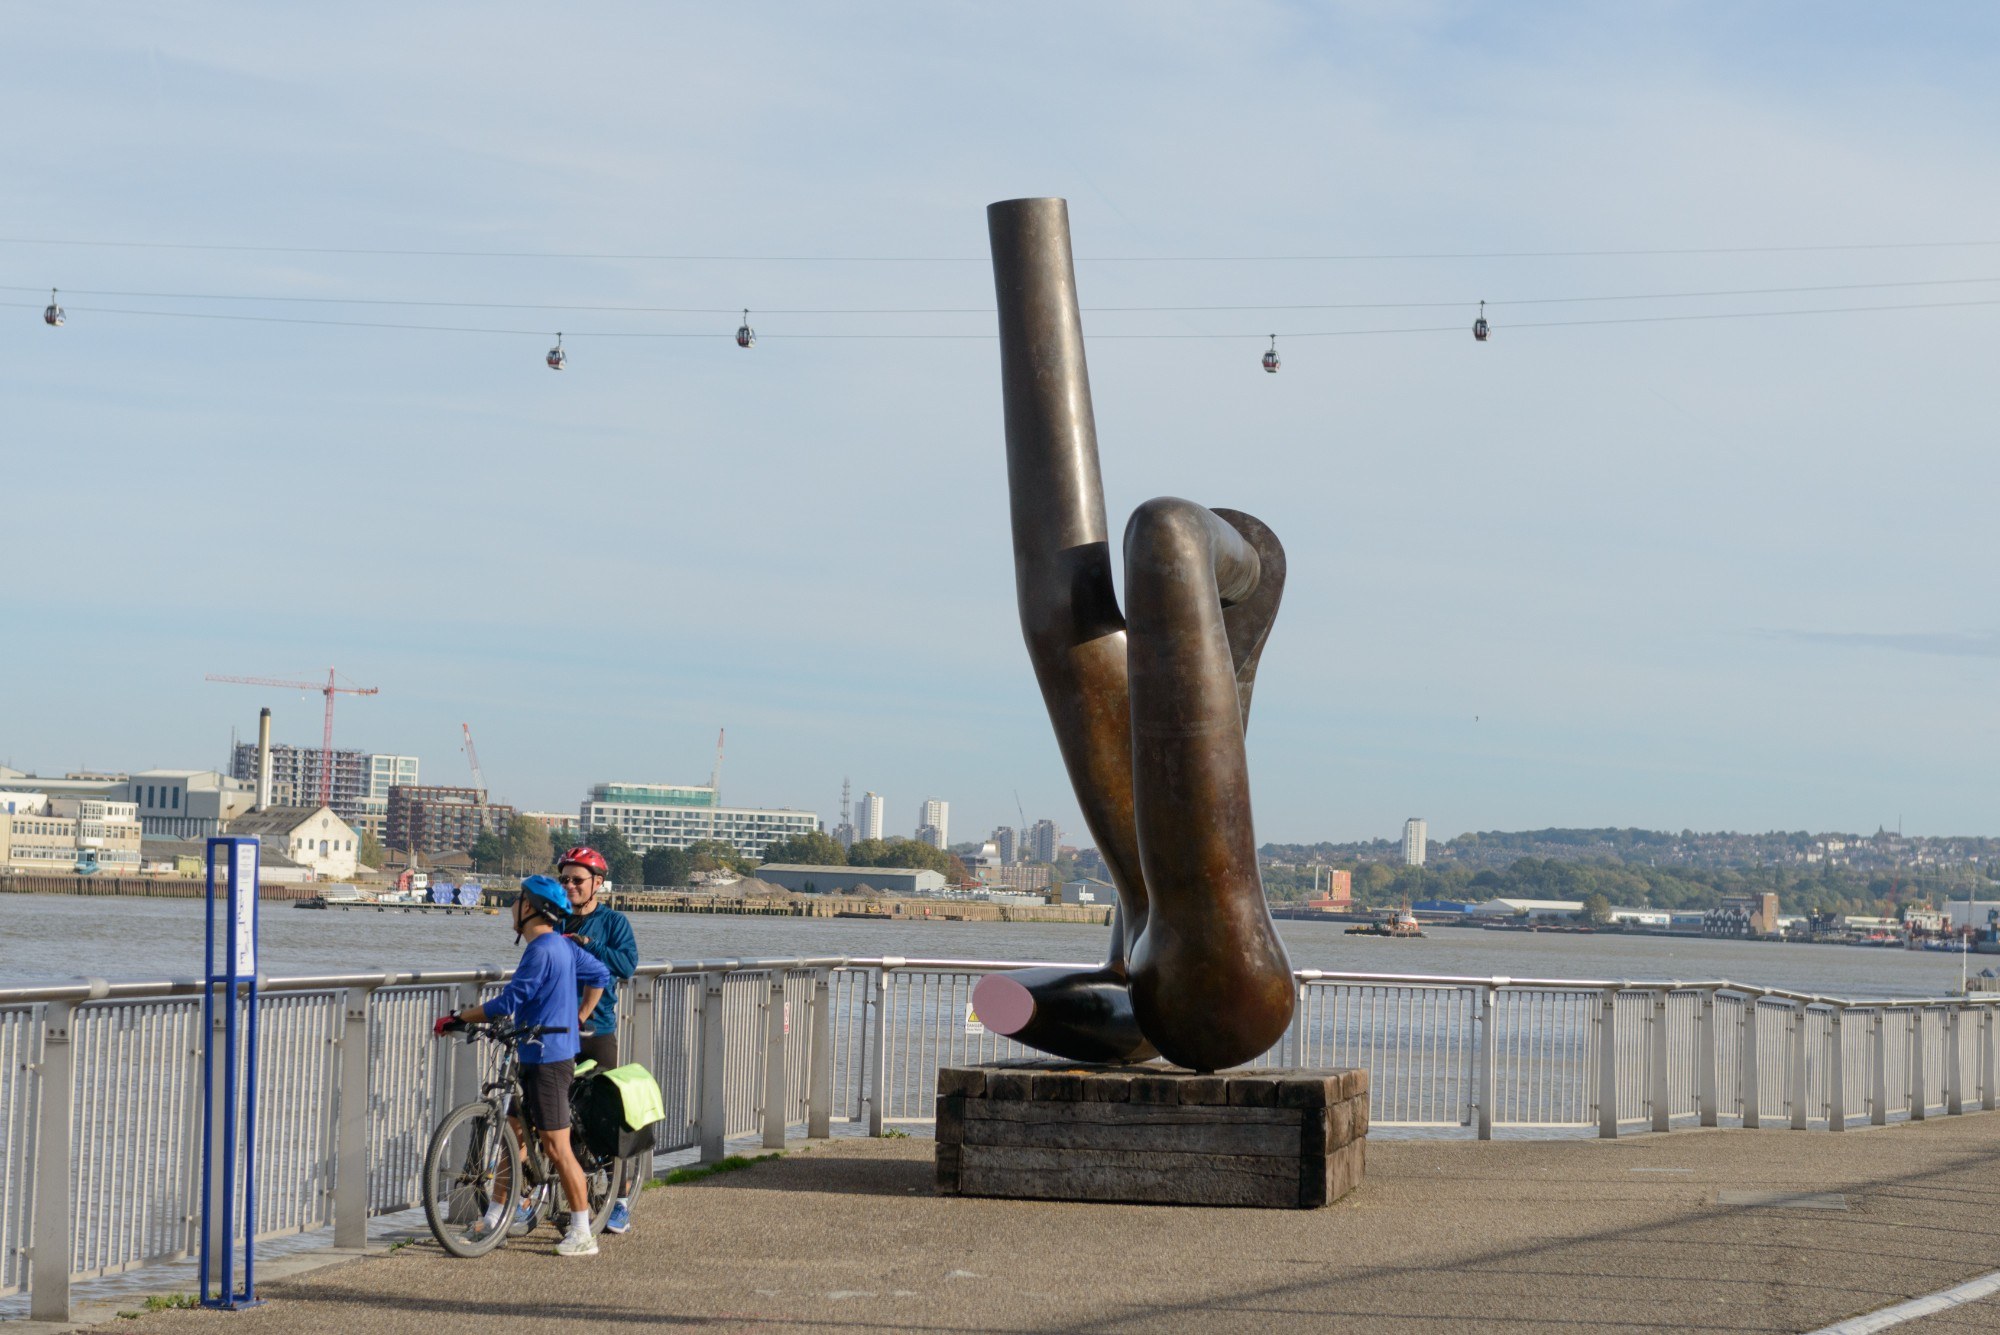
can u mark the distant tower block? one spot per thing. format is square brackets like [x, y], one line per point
[869, 822]
[934, 823]
[1416, 840]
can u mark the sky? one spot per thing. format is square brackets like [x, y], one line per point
[1710, 573]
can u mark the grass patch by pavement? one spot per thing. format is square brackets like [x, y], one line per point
[728, 1164]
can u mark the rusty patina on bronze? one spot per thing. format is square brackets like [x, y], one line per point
[1149, 705]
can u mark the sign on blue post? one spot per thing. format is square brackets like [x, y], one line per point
[229, 1095]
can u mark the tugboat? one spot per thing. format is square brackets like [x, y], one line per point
[1399, 923]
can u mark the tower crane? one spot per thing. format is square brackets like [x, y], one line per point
[715, 784]
[472, 755]
[329, 690]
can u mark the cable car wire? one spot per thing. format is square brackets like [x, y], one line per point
[1357, 257]
[961, 337]
[988, 310]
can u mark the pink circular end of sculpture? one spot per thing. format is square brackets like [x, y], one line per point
[1003, 1005]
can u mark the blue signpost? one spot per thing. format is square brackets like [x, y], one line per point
[229, 1095]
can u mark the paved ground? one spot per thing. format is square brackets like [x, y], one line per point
[1526, 1236]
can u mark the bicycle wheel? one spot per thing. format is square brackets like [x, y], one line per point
[471, 1153]
[601, 1181]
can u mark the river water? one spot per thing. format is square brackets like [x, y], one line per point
[54, 938]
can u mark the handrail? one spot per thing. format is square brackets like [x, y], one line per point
[97, 989]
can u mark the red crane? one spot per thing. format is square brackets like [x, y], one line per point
[331, 689]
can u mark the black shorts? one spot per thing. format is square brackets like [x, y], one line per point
[545, 1094]
[600, 1048]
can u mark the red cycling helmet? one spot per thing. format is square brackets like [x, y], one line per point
[587, 858]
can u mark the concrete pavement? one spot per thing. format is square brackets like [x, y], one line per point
[1572, 1236]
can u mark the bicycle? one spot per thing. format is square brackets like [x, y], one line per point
[475, 1157]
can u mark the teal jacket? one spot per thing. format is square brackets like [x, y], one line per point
[607, 935]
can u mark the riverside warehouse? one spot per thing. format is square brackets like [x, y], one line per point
[658, 815]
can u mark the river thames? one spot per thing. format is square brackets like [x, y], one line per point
[53, 938]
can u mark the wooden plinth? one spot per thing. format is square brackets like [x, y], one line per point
[1052, 1131]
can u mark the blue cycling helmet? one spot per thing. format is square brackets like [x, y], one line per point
[546, 896]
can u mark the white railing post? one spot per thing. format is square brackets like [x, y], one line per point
[712, 1126]
[1987, 1102]
[1795, 1082]
[777, 1092]
[643, 1037]
[465, 1071]
[1607, 1065]
[1489, 1047]
[1919, 1095]
[1748, 1072]
[878, 1088]
[1836, 1073]
[1662, 1098]
[1954, 1065]
[1705, 1059]
[1878, 1069]
[49, 1240]
[819, 1069]
[350, 1136]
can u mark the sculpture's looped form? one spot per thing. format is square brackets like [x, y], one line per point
[1149, 707]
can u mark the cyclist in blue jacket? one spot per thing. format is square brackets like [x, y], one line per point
[545, 991]
[607, 934]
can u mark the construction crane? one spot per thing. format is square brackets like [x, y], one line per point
[715, 783]
[331, 689]
[472, 755]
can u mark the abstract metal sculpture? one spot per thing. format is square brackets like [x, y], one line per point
[1149, 706]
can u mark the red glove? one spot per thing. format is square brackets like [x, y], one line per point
[442, 1023]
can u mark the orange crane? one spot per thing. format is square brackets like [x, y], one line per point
[331, 689]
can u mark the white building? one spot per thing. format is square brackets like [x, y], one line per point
[1527, 908]
[934, 823]
[869, 817]
[659, 815]
[313, 837]
[40, 833]
[811, 880]
[1089, 890]
[1416, 841]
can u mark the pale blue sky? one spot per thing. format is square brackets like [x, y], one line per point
[1712, 574]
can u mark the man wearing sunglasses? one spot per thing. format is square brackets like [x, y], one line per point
[606, 934]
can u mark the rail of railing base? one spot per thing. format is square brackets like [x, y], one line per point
[100, 1082]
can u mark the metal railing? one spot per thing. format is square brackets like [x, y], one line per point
[100, 1083]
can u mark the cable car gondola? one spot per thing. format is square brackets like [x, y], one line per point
[54, 314]
[1271, 357]
[1480, 329]
[746, 337]
[555, 359]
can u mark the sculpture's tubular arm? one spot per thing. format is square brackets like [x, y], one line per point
[1062, 553]
[1211, 985]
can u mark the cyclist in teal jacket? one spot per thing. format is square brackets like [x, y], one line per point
[606, 934]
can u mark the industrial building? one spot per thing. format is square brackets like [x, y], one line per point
[658, 815]
[433, 820]
[171, 803]
[42, 833]
[847, 880]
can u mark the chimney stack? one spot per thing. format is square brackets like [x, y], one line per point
[263, 759]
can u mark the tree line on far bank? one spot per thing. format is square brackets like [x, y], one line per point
[1823, 889]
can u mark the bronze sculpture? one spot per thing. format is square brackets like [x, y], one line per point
[1149, 706]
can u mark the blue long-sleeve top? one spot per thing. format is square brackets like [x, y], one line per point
[607, 935]
[544, 990]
